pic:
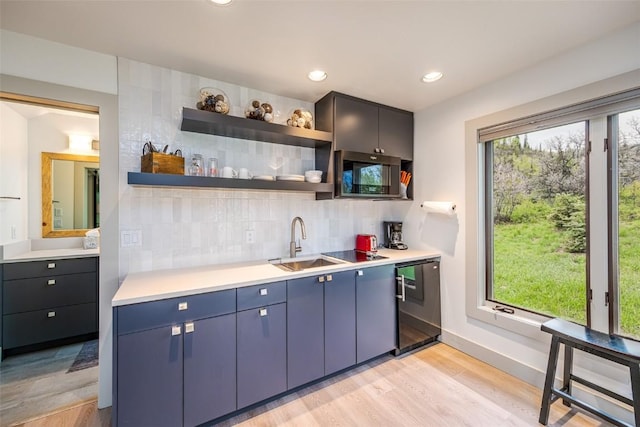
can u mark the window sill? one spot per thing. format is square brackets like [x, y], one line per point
[521, 323]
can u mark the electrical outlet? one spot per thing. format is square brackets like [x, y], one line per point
[130, 238]
[250, 236]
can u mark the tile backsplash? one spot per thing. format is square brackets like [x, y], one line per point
[192, 227]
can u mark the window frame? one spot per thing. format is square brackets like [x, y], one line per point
[488, 151]
[575, 105]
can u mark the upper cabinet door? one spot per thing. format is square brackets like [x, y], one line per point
[396, 132]
[356, 125]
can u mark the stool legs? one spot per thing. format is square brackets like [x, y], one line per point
[549, 379]
[566, 378]
[635, 390]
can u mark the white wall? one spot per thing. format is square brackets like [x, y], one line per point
[442, 175]
[41, 68]
[187, 227]
[13, 175]
[49, 133]
[33, 58]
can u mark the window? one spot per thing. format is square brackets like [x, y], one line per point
[549, 219]
[624, 291]
[537, 230]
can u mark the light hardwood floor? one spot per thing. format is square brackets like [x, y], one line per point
[436, 386]
[37, 383]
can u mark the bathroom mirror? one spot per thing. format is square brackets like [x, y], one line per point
[70, 194]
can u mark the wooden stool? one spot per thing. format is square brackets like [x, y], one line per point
[620, 350]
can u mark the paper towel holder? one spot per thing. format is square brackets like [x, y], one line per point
[443, 208]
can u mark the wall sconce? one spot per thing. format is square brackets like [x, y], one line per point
[79, 142]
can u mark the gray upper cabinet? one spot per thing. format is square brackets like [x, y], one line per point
[364, 126]
[395, 132]
[356, 125]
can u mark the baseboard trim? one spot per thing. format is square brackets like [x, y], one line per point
[534, 376]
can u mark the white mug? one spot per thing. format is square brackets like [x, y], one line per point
[244, 174]
[229, 172]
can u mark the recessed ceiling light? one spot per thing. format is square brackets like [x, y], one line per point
[317, 75]
[221, 2]
[432, 77]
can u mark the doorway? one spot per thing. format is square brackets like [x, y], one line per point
[49, 376]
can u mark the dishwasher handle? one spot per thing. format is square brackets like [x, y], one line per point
[402, 295]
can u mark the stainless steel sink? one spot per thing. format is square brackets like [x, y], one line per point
[303, 264]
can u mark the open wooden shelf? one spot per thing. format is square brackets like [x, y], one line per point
[168, 180]
[200, 121]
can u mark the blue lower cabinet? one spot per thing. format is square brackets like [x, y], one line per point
[149, 378]
[375, 311]
[209, 369]
[261, 353]
[305, 330]
[170, 370]
[340, 322]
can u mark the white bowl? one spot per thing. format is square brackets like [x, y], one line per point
[314, 180]
[313, 174]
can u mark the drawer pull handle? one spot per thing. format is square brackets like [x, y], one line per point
[51, 282]
[51, 265]
[189, 327]
[263, 312]
[264, 291]
[329, 277]
[176, 330]
[51, 314]
[183, 306]
[321, 279]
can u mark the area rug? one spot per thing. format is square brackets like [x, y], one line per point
[87, 357]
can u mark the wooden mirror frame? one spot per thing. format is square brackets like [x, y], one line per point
[47, 198]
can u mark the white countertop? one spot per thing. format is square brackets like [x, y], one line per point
[47, 254]
[163, 284]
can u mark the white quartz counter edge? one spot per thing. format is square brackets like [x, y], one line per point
[47, 254]
[163, 284]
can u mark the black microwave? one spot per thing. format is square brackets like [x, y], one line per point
[364, 175]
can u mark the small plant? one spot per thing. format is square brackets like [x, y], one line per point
[530, 211]
[568, 215]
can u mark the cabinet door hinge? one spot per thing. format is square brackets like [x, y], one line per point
[606, 144]
[588, 146]
[590, 295]
[606, 299]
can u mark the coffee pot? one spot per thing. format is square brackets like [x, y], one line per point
[393, 235]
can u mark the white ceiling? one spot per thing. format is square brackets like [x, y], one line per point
[373, 49]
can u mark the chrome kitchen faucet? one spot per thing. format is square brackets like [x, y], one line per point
[293, 248]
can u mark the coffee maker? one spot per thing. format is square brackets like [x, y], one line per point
[393, 235]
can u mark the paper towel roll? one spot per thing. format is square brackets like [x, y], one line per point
[445, 208]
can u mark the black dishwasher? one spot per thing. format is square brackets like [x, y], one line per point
[418, 298]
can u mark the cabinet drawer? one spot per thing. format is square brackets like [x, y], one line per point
[46, 292]
[45, 325]
[261, 295]
[147, 315]
[26, 270]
